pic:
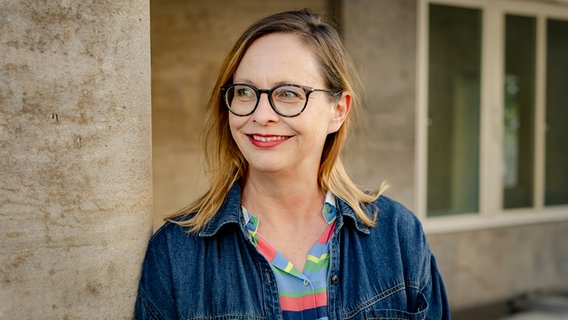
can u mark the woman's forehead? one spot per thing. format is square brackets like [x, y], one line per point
[277, 58]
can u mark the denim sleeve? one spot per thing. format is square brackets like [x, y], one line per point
[435, 293]
[420, 259]
[155, 298]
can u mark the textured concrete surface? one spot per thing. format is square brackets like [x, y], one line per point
[543, 307]
[536, 306]
[381, 38]
[490, 266]
[75, 157]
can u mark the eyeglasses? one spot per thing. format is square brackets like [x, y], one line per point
[287, 100]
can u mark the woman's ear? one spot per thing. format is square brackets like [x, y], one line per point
[341, 109]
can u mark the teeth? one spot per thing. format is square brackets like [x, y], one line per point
[266, 139]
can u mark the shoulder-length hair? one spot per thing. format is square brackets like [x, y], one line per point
[225, 162]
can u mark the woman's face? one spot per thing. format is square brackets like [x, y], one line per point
[269, 142]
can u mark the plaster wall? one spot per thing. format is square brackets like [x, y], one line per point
[75, 157]
[488, 267]
[380, 35]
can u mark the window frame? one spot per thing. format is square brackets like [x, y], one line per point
[491, 213]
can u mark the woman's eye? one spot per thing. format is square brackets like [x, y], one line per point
[243, 92]
[288, 94]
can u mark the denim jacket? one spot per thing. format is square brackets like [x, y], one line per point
[383, 272]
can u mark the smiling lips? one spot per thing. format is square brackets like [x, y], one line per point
[266, 141]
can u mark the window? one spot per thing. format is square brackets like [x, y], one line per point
[519, 111]
[453, 110]
[492, 111]
[556, 177]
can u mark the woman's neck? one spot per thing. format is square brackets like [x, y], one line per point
[284, 199]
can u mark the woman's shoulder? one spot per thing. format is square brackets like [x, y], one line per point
[392, 213]
[390, 206]
[172, 230]
[401, 229]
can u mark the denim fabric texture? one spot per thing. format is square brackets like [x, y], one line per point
[383, 272]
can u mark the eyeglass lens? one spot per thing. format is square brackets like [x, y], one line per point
[286, 100]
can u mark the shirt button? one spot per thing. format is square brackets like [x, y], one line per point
[334, 279]
[306, 283]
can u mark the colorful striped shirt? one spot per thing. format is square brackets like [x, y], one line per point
[303, 295]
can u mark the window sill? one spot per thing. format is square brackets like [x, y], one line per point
[509, 218]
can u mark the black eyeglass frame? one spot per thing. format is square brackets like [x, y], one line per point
[258, 92]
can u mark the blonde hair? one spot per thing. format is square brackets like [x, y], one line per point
[225, 161]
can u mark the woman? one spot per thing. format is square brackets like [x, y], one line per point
[283, 233]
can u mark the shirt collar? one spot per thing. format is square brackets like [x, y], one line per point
[231, 213]
[329, 214]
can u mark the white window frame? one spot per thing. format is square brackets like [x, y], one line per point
[491, 214]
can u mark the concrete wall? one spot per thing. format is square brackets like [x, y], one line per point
[488, 267]
[381, 38]
[75, 157]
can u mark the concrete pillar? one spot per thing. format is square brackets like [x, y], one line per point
[75, 157]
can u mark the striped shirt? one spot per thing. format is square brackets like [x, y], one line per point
[303, 295]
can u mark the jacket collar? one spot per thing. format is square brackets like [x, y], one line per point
[231, 213]
[346, 211]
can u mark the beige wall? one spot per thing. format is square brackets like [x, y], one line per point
[381, 38]
[487, 267]
[75, 157]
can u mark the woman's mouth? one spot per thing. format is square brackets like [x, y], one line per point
[266, 141]
[268, 138]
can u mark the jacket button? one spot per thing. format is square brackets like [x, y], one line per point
[334, 279]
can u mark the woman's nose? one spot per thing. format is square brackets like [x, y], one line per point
[264, 113]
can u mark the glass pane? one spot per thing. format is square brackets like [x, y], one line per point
[453, 110]
[556, 178]
[518, 137]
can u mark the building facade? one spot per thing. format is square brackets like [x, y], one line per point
[102, 102]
